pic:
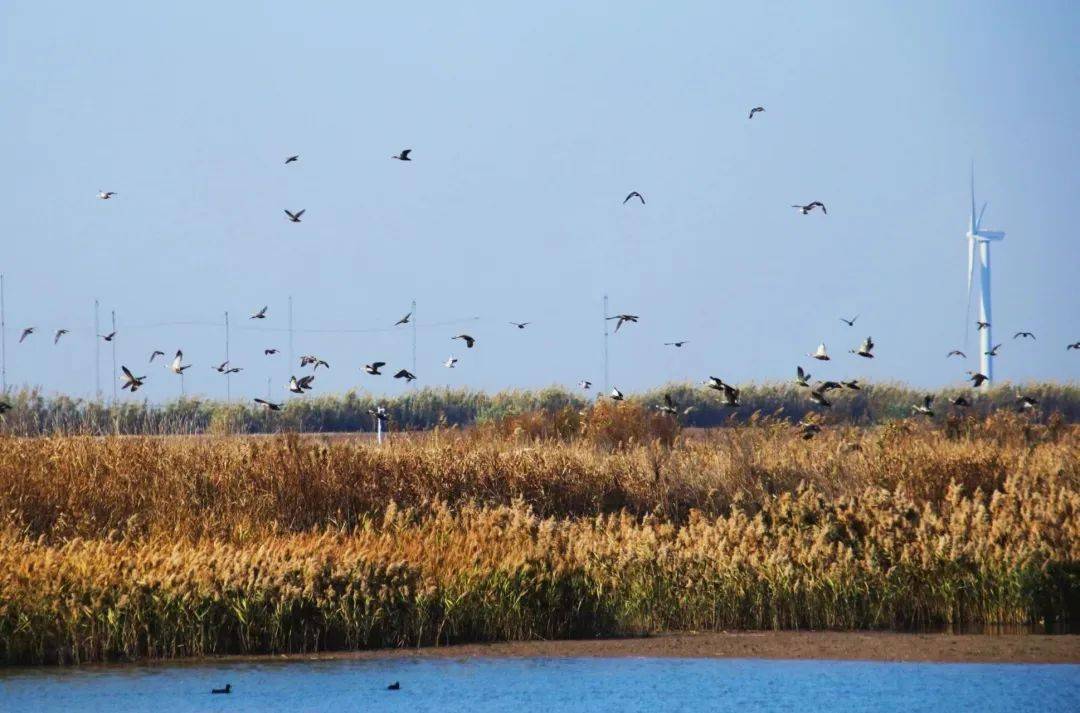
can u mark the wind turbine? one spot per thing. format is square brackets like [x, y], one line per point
[977, 235]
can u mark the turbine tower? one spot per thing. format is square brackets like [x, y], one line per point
[976, 235]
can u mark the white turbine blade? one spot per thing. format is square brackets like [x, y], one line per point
[978, 221]
[971, 224]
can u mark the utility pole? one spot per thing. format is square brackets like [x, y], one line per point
[607, 386]
[413, 310]
[113, 343]
[3, 340]
[228, 376]
[97, 354]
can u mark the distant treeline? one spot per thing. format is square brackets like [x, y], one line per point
[33, 413]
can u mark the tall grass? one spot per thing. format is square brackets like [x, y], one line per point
[542, 525]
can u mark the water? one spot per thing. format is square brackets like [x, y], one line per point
[549, 685]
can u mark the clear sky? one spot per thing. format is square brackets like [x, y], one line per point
[529, 123]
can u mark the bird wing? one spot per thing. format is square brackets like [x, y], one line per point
[300, 212]
[378, 364]
[127, 373]
[405, 153]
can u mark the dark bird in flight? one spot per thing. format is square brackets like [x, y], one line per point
[1025, 403]
[802, 378]
[106, 195]
[382, 417]
[299, 386]
[849, 322]
[521, 325]
[108, 337]
[269, 352]
[320, 362]
[156, 353]
[634, 194]
[956, 352]
[819, 398]
[825, 387]
[809, 430]
[616, 395]
[804, 209]
[924, 408]
[131, 382]
[865, 349]
[26, 333]
[730, 396]
[59, 333]
[405, 374]
[261, 314]
[395, 686]
[756, 110]
[993, 350]
[585, 384]
[960, 402]
[676, 344]
[294, 217]
[981, 325]
[292, 159]
[403, 320]
[306, 359]
[403, 156]
[469, 341]
[373, 367]
[227, 689]
[1027, 335]
[1074, 345]
[853, 385]
[623, 318]
[220, 368]
[977, 379]
[668, 406]
[268, 405]
[233, 370]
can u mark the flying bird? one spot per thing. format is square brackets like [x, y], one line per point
[585, 384]
[156, 353]
[979, 326]
[403, 320]
[1074, 345]
[269, 352]
[821, 354]
[131, 382]
[849, 322]
[730, 396]
[291, 159]
[469, 341]
[177, 366]
[676, 344]
[108, 337]
[220, 368]
[373, 367]
[924, 408]
[233, 370]
[756, 110]
[1027, 335]
[299, 386]
[977, 379]
[819, 398]
[59, 333]
[634, 194]
[623, 318]
[669, 406]
[26, 333]
[1025, 403]
[853, 385]
[405, 374]
[306, 359]
[404, 155]
[993, 350]
[802, 378]
[809, 430]
[320, 362]
[450, 362]
[956, 352]
[380, 415]
[261, 314]
[521, 325]
[865, 349]
[268, 405]
[824, 387]
[106, 195]
[804, 209]
[294, 217]
[960, 402]
[616, 395]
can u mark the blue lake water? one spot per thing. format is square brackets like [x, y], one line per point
[583, 684]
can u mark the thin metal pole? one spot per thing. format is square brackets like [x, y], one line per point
[290, 336]
[3, 340]
[97, 353]
[606, 385]
[113, 343]
[228, 376]
[413, 310]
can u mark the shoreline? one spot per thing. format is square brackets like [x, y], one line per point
[790, 645]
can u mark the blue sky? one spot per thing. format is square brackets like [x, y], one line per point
[529, 124]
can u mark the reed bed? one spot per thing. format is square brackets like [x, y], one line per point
[543, 525]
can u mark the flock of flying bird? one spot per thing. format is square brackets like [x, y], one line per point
[729, 394]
